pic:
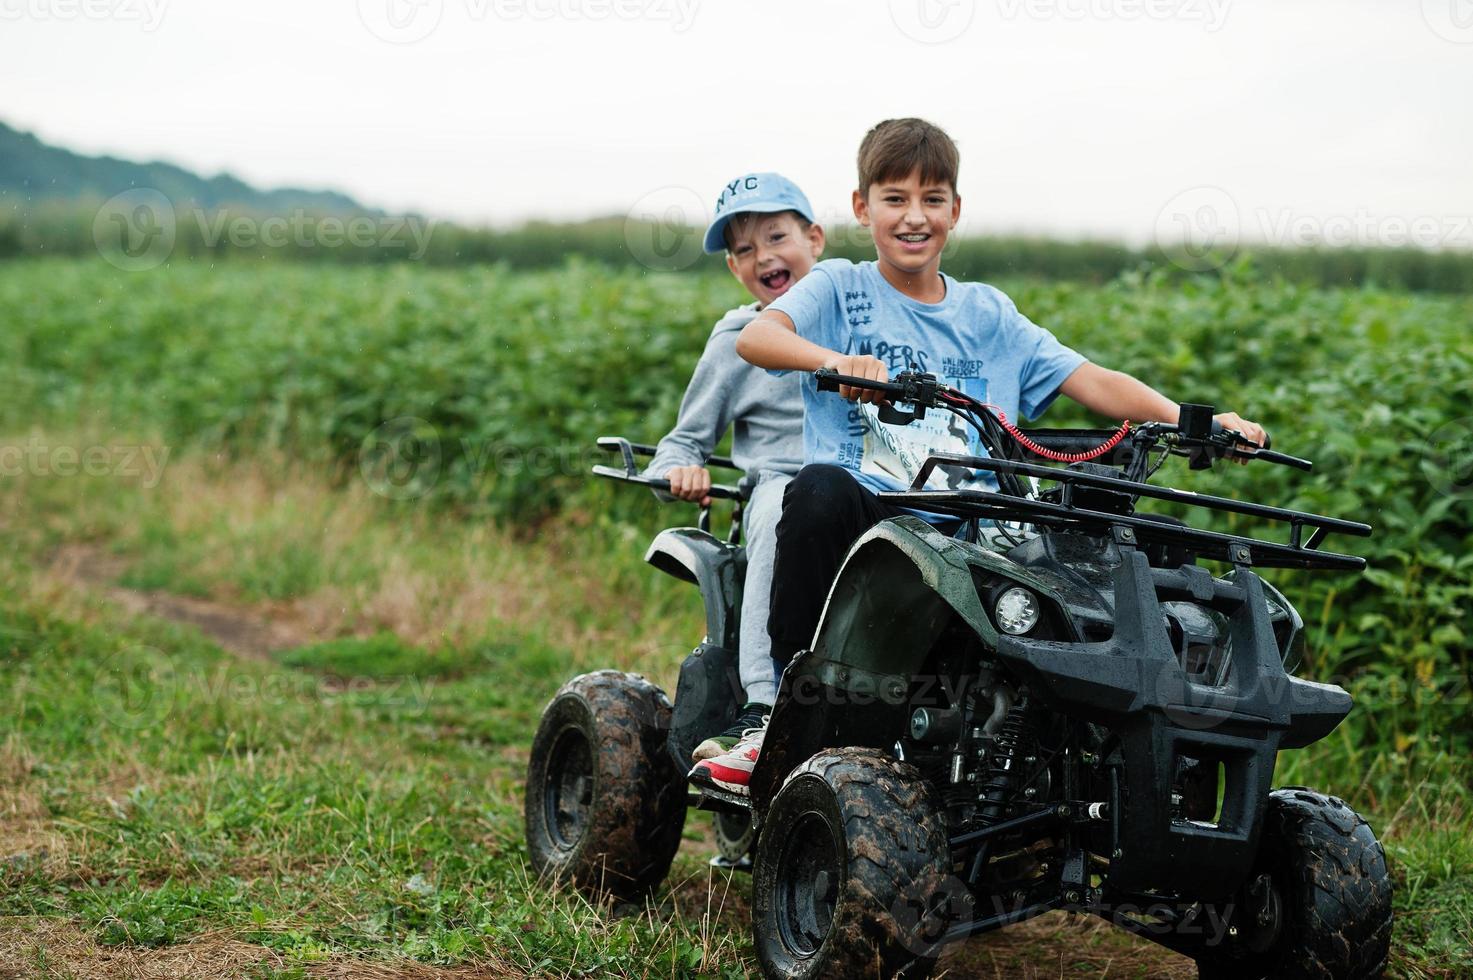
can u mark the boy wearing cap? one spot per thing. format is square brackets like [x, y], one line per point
[872, 320]
[765, 224]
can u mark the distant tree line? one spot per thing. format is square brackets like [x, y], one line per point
[90, 228]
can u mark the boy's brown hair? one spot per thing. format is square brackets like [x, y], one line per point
[896, 148]
[748, 216]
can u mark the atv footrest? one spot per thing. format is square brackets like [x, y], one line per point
[719, 801]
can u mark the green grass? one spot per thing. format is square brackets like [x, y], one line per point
[358, 793]
[360, 796]
[196, 792]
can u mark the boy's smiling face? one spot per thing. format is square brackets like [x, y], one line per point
[910, 221]
[770, 252]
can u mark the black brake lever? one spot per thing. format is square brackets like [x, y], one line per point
[1235, 444]
[908, 387]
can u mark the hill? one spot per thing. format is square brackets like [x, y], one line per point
[33, 172]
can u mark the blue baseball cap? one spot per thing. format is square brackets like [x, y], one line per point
[764, 193]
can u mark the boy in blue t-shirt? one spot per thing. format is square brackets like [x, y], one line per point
[876, 319]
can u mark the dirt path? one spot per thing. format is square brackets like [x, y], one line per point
[37, 947]
[246, 631]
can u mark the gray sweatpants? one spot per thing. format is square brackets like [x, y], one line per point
[759, 524]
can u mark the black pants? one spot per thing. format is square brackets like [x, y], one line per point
[824, 511]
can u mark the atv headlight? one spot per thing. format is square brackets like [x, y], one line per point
[1016, 611]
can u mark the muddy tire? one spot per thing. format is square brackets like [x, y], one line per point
[604, 804]
[1322, 886]
[849, 856]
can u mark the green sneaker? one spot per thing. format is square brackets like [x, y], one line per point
[750, 717]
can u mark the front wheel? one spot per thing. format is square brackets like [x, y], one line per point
[604, 805]
[1318, 903]
[852, 854]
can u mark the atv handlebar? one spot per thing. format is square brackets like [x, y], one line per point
[1196, 435]
[630, 472]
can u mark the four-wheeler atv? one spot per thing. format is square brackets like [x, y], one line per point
[1075, 714]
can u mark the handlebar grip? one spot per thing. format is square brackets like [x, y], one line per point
[718, 491]
[1284, 459]
[830, 380]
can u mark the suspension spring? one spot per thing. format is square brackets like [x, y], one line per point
[1000, 772]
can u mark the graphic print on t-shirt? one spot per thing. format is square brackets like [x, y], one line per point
[898, 451]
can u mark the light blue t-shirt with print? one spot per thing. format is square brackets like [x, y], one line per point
[974, 339]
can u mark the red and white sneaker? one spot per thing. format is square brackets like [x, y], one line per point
[732, 771]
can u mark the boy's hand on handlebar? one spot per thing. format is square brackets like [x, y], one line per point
[691, 483]
[1251, 431]
[859, 366]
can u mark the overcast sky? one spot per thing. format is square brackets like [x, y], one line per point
[1080, 118]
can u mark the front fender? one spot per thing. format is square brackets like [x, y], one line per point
[717, 568]
[901, 583]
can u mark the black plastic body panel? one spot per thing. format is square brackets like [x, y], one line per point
[707, 699]
[1134, 685]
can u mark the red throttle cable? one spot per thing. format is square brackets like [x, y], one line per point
[1038, 450]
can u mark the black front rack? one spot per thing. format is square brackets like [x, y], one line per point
[630, 472]
[1237, 549]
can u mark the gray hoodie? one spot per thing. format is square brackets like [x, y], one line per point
[766, 409]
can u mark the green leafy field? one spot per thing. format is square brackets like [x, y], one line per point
[351, 789]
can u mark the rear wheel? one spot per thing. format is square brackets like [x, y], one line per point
[604, 804]
[735, 837]
[1318, 903]
[850, 854]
